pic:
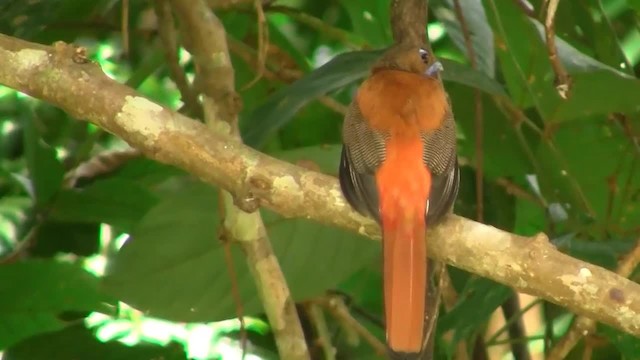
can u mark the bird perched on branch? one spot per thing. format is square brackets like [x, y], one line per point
[399, 166]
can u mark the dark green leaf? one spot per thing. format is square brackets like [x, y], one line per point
[342, 70]
[583, 162]
[480, 298]
[601, 253]
[45, 171]
[174, 265]
[33, 294]
[118, 202]
[499, 134]
[480, 31]
[627, 344]
[370, 20]
[77, 342]
[280, 107]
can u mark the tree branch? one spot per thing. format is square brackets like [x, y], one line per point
[409, 20]
[205, 38]
[531, 265]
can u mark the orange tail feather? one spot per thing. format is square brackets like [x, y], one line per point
[403, 185]
[405, 274]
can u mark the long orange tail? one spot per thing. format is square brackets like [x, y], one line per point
[403, 185]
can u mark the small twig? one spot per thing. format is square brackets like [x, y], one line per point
[99, 165]
[584, 326]
[339, 310]
[493, 340]
[125, 26]
[347, 38]
[233, 277]
[526, 7]
[316, 315]
[23, 246]
[478, 113]
[167, 33]
[512, 311]
[449, 300]
[562, 80]
[263, 44]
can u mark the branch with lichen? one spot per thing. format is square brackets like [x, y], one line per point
[529, 264]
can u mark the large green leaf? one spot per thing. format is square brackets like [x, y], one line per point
[35, 293]
[45, 171]
[280, 107]
[173, 266]
[480, 31]
[77, 342]
[584, 163]
[499, 134]
[342, 70]
[115, 201]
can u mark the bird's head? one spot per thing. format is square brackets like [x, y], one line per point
[410, 58]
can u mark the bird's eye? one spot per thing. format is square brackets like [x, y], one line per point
[424, 55]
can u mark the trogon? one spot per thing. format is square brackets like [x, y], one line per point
[399, 166]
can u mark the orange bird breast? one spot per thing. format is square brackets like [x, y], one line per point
[399, 102]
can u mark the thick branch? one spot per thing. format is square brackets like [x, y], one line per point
[531, 265]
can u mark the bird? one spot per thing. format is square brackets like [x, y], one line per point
[399, 165]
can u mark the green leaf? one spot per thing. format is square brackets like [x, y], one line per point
[145, 171]
[480, 298]
[529, 76]
[597, 252]
[498, 134]
[370, 20]
[118, 202]
[584, 161]
[280, 107]
[77, 342]
[34, 293]
[530, 218]
[45, 171]
[325, 157]
[627, 344]
[174, 266]
[342, 70]
[479, 29]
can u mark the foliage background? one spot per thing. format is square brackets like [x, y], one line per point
[568, 168]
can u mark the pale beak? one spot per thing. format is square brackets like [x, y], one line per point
[434, 69]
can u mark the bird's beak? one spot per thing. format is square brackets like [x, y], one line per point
[434, 69]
